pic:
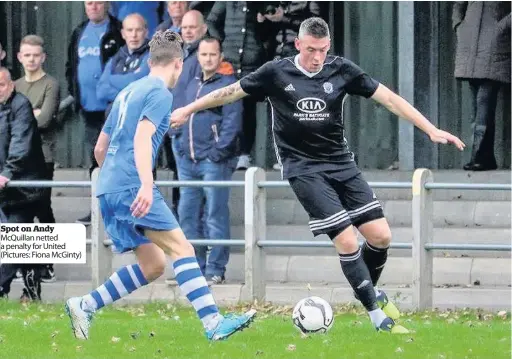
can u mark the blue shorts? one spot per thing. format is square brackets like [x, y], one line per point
[126, 231]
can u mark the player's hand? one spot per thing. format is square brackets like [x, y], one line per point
[142, 203]
[440, 136]
[3, 181]
[179, 117]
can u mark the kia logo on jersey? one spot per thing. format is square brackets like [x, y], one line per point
[311, 105]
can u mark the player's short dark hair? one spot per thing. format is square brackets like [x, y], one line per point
[210, 39]
[164, 47]
[314, 26]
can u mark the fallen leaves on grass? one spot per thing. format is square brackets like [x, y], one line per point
[502, 314]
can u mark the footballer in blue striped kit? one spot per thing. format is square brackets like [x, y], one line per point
[134, 211]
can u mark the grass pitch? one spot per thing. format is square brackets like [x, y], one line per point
[41, 331]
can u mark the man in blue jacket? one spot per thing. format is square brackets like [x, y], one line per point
[130, 63]
[208, 151]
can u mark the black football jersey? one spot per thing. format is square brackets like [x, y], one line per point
[307, 111]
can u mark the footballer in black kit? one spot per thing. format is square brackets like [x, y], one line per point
[308, 134]
[306, 94]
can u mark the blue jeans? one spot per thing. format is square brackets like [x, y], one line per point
[215, 211]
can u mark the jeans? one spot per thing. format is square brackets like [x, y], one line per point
[485, 94]
[215, 204]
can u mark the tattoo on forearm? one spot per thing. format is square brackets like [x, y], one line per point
[227, 91]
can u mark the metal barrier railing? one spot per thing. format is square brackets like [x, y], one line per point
[255, 186]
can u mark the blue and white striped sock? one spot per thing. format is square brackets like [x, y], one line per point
[120, 284]
[193, 285]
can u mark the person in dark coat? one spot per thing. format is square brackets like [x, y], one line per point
[483, 58]
[21, 158]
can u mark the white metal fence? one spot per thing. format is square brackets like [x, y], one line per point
[255, 241]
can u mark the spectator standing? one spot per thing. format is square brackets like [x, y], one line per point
[92, 44]
[42, 90]
[286, 21]
[21, 158]
[208, 146]
[147, 9]
[244, 41]
[483, 59]
[130, 63]
[176, 11]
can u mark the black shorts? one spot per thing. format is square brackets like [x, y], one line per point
[334, 203]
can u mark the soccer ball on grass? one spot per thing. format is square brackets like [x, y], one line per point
[313, 315]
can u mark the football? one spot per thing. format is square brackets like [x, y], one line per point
[313, 315]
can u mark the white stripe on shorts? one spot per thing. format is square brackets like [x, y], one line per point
[367, 207]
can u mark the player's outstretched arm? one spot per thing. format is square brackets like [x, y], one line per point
[100, 150]
[403, 109]
[215, 98]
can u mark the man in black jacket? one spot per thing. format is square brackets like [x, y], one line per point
[92, 44]
[21, 158]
